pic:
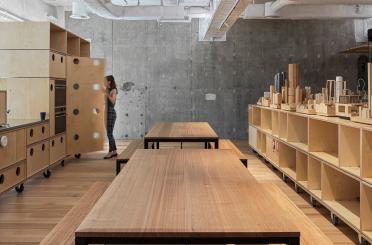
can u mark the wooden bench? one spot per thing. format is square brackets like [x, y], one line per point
[127, 153]
[310, 233]
[228, 145]
[64, 231]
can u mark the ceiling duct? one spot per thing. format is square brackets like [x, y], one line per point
[79, 10]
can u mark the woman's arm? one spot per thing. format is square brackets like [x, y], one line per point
[112, 96]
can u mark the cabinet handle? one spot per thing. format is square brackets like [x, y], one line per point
[53, 57]
[61, 59]
[51, 87]
[61, 139]
[31, 151]
[43, 147]
[43, 129]
[31, 132]
[2, 178]
[18, 171]
[52, 143]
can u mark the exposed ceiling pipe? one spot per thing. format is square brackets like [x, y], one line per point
[279, 4]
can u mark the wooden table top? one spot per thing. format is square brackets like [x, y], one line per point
[185, 130]
[186, 193]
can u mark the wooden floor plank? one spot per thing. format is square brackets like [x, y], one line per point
[26, 218]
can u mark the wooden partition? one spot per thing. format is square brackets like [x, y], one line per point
[272, 151]
[366, 167]
[275, 123]
[314, 172]
[349, 149]
[299, 130]
[266, 122]
[323, 140]
[253, 137]
[263, 144]
[256, 116]
[283, 125]
[366, 210]
[342, 194]
[301, 168]
[287, 160]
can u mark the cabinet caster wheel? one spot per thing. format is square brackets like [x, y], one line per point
[77, 156]
[20, 188]
[363, 241]
[297, 189]
[47, 173]
[334, 219]
[285, 178]
[63, 163]
[313, 201]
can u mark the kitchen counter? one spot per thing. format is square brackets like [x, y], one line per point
[20, 123]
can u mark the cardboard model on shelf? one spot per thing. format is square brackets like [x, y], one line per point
[325, 101]
[290, 87]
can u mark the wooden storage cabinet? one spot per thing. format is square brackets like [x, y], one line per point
[256, 116]
[287, 160]
[32, 63]
[366, 210]
[37, 133]
[342, 194]
[37, 157]
[323, 140]
[298, 131]
[15, 150]
[349, 149]
[366, 167]
[57, 148]
[13, 175]
[301, 168]
[252, 131]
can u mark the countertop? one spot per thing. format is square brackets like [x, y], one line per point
[20, 123]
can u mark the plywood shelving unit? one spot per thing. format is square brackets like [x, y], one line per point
[299, 130]
[349, 149]
[329, 158]
[323, 140]
[342, 194]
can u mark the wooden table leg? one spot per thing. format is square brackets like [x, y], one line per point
[157, 145]
[216, 144]
[146, 145]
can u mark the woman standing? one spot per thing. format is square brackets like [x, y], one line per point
[110, 91]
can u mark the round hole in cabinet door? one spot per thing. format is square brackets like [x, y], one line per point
[52, 143]
[31, 151]
[96, 86]
[61, 59]
[95, 111]
[76, 86]
[53, 57]
[76, 112]
[2, 178]
[51, 87]
[76, 61]
[76, 137]
[43, 147]
[61, 139]
[96, 135]
[18, 171]
[31, 133]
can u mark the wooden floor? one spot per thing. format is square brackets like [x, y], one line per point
[26, 218]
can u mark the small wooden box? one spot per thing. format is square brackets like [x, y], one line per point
[3, 117]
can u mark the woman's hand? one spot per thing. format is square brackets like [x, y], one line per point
[104, 90]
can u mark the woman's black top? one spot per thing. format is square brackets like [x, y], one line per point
[110, 105]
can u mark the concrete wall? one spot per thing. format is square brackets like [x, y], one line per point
[164, 72]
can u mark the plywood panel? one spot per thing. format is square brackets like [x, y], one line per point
[37, 133]
[85, 77]
[349, 146]
[57, 146]
[84, 48]
[21, 102]
[12, 176]
[37, 157]
[252, 137]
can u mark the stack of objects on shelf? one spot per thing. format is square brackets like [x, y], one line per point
[306, 106]
[291, 92]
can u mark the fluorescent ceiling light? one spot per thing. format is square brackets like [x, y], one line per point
[9, 16]
[79, 10]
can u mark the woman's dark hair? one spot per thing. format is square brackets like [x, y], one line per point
[111, 79]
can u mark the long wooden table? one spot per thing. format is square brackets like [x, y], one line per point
[181, 132]
[188, 196]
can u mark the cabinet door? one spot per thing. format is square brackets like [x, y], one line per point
[85, 105]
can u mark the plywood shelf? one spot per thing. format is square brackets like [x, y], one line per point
[366, 165]
[323, 140]
[301, 167]
[349, 148]
[275, 123]
[298, 132]
[283, 125]
[314, 172]
[84, 48]
[73, 44]
[256, 116]
[287, 159]
[342, 194]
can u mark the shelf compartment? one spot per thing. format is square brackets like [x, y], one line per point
[298, 131]
[256, 116]
[283, 125]
[349, 149]
[58, 39]
[84, 48]
[366, 210]
[366, 164]
[73, 44]
[342, 194]
[287, 160]
[275, 122]
[323, 140]
[253, 137]
[301, 167]
[314, 173]
[272, 149]
[266, 121]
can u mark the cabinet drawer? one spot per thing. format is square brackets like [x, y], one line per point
[37, 157]
[57, 146]
[37, 133]
[32, 63]
[12, 176]
[15, 149]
